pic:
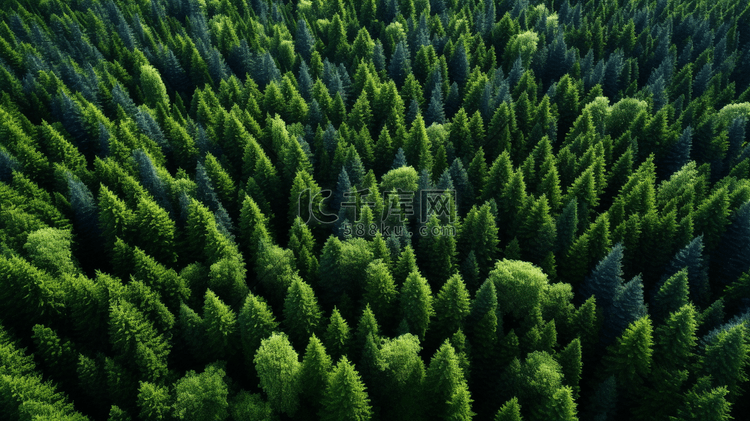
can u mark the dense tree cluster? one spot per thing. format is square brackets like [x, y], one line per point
[214, 210]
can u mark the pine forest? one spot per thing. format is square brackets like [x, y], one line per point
[374, 210]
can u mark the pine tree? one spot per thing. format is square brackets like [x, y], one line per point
[451, 307]
[417, 147]
[672, 295]
[278, 367]
[627, 307]
[153, 87]
[691, 256]
[221, 327]
[733, 260]
[156, 231]
[314, 373]
[253, 228]
[570, 362]
[483, 335]
[726, 358]
[302, 314]
[510, 411]
[49, 249]
[673, 353]
[302, 243]
[400, 65]
[702, 402]
[479, 233]
[712, 217]
[416, 304]
[405, 265]
[380, 291]
[304, 41]
[459, 64]
[345, 396]
[337, 335]
[498, 177]
[605, 279]
[512, 201]
[443, 380]
[58, 355]
[134, 339]
[256, 322]
[153, 401]
[538, 231]
[629, 359]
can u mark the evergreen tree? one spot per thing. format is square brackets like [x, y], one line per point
[302, 243]
[156, 231]
[221, 327]
[345, 396]
[400, 65]
[304, 42]
[691, 256]
[629, 359]
[570, 362]
[702, 402]
[459, 64]
[301, 312]
[725, 358]
[314, 371]
[278, 369]
[479, 234]
[443, 381]
[451, 307]
[256, 322]
[733, 260]
[672, 295]
[483, 335]
[416, 304]
[153, 401]
[337, 335]
[380, 291]
[510, 411]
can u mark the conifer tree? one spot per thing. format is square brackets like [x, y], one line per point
[156, 231]
[221, 327]
[691, 256]
[278, 367]
[483, 335]
[153, 401]
[345, 396]
[58, 355]
[479, 233]
[629, 359]
[256, 322]
[444, 379]
[498, 177]
[733, 260]
[725, 358]
[510, 411]
[302, 243]
[451, 307]
[337, 335]
[702, 402]
[571, 365]
[416, 304]
[400, 65]
[304, 41]
[301, 312]
[380, 291]
[405, 265]
[314, 373]
[672, 295]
